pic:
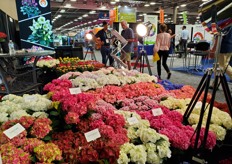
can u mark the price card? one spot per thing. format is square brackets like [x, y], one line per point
[123, 73]
[198, 104]
[75, 91]
[157, 112]
[30, 98]
[92, 135]
[132, 120]
[14, 131]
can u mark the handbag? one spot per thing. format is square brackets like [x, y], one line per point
[156, 57]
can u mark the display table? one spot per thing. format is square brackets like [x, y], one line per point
[148, 48]
[69, 51]
[8, 70]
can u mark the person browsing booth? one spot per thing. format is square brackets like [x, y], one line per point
[103, 38]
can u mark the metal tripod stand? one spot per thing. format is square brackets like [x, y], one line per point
[90, 50]
[220, 79]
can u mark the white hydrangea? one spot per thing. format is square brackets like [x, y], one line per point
[219, 131]
[123, 159]
[138, 154]
[18, 114]
[132, 133]
[148, 135]
[152, 157]
[9, 107]
[3, 117]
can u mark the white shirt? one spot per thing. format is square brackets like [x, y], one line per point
[184, 34]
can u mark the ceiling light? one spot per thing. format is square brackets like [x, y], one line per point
[112, 2]
[86, 15]
[73, 0]
[140, 15]
[92, 12]
[204, 0]
[117, 0]
[165, 15]
[103, 7]
[95, 21]
[80, 18]
[183, 5]
[144, 14]
[146, 5]
[89, 22]
[75, 19]
[152, 3]
[62, 11]
[59, 16]
[68, 5]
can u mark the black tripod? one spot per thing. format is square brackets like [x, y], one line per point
[220, 79]
[141, 60]
[90, 50]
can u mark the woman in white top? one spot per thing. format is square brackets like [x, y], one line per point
[162, 46]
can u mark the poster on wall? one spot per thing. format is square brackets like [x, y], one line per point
[35, 26]
[127, 14]
[198, 33]
[103, 16]
[153, 32]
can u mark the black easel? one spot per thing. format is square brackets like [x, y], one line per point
[141, 59]
[90, 50]
[220, 79]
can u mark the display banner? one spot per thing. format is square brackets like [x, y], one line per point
[198, 33]
[35, 26]
[127, 14]
[153, 33]
[161, 15]
[113, 16]
[103, 16]
[185, 18]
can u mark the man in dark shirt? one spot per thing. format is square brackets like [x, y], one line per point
[128, 34]
[105, 35]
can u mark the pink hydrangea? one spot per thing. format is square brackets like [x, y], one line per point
[72, 118]
[41, 127]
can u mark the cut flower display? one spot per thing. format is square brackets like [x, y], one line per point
[14, 107]
[146, 145]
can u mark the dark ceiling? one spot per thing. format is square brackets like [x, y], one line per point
[68, 12]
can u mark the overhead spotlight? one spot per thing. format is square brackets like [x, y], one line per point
[141, 29]
[86, 15]
[92, 12]
[68, 5]
[147, 5]
[144, 14]
[80, 18]
[117, 0]
[112, 2]
[183, 5]
[62, 10]
[152, 3]
[73, 0]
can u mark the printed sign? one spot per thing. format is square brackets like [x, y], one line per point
[92, 135]
[74, 91]
[35, 24]
[14, 131]
[157, 112]
[132, 120]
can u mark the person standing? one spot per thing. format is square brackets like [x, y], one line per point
[104, 37]
[225, 53]
[128, 34]
[184, 39]
[162, 46]
[172, 43]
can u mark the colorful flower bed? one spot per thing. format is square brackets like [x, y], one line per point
[122, 117]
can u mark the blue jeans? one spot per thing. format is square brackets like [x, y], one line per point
[105, 52]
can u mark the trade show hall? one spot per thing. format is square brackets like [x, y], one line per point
[115, 82]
